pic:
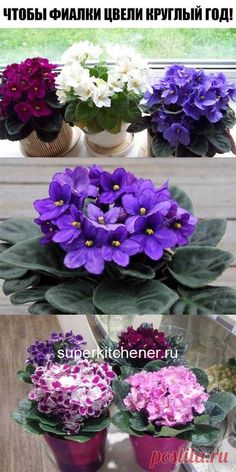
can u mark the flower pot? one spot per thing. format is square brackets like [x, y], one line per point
[108, 143]
[158, 454]
[182, 151]
[73, 456]
[32, 146]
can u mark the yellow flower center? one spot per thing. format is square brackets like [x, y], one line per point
[101, 220]
[202, 97]
[116, 243]
[142, 211]
[76, 224]
[149, 231]
[89, 243]
[59, 203]
[116, 187]
[177, 225]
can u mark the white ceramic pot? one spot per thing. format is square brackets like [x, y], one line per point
[105, 139]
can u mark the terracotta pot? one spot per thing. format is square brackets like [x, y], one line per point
[158, 454]
[73, 456]
[32, 146]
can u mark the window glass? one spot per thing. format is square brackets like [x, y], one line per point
[158, 44]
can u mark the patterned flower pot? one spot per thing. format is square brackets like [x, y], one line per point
[32, 146]
[73, 456]
[158, 454]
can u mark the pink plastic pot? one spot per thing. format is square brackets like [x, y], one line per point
[158, 454]
[73, 456]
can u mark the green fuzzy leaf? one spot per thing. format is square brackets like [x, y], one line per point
[167, 432]
[127, 371]
[25, 375]
[160, 147]
[205, 301]
[11, 286]
[204, 435]
[32, 255]
[181, 197]
[52, 429]
[149, 297]
[23, 410]
[84, 113]
[94, 426]
[229, 118]
[70, 112]
[221, 143]
[208, 232]
[42, 308]
[138, 421]
[225, 400]
[121, 390]
[51, 123]
[196, 266]
[75, 297]
[93, 126]
[201, 419]
[45, 136]
[106, 120]
[215, 413]
[140, 125]
[199, 145]
[201, 375]
[4, 247]
[15, 230]
[137, 271]
[52, 101]
[9, 271]
[121, 421]
[34, 294]
[14, 124]
[154, 366]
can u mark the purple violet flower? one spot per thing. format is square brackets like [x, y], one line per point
[113, 185]
[177, 134]
[53, 207]
[87, 250]
[119, 248]
[69, 225]
[103, 219]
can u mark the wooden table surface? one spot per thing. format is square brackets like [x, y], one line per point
[21, 451]
[211, 184]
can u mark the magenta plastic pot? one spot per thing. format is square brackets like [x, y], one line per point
[158, 454]
[73, 456]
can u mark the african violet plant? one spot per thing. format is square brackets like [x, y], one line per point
[69, 400]
[115, 243]
[28, 101]
[171, 402]
[149, 344]
[188, 114]
[100, 96]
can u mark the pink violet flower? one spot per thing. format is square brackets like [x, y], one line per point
[171, 397]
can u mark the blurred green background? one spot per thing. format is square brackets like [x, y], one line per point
[17, 44]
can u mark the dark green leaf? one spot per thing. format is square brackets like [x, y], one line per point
[9, 271]
[80, 438]
[168, 432]
[52, 429]
[45, 136]
[29, 295]
[140, 125]
[154, 366]
[4, 247]
[11, 286]
[208, 232]
[138, 271]
[15, 230]
[225, 400]
[105, 119]
[94, 426]
[121, 421]
[196, 266]
[204, 435]
[204, 301]
[160, 147]
[42, 308]
[181, 198]
[25, 375]
[201, 419]
[84, 113]
[121, 389]
[229, 118]
[199, 145]
[201, 375]
[23, 410]
[149, 297]
[127, 371]
[32, 255]
[75, 297]
[216, 413]
[138, 421]
[220, 142]
[51, 123]
[14, 124]
[70, 112]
